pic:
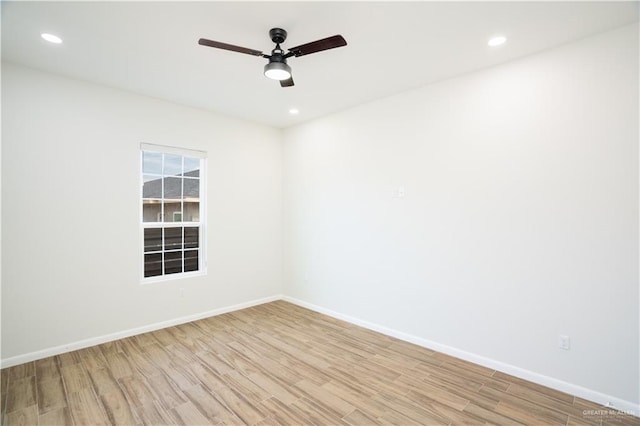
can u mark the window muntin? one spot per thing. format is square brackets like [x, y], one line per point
[172, 212]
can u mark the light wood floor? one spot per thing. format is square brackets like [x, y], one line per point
[277, 364]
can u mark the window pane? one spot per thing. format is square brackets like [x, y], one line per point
[191, 167]
[191, 212]
[173, 262]
[152, 162]
[191, 237]
[172, 238]
[191, 188]
[152, 187]
[153, 239]
[191, 260]
[152, 265]
[151, 211]
[172, 210]
[172, 188]
[172, 165]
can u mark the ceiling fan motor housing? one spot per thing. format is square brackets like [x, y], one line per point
[278, 35]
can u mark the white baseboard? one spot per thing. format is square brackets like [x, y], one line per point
[57, 350]
[614, 403]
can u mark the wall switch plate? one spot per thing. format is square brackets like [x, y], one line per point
[398, 192]
[564, 342]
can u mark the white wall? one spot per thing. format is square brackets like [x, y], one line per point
[520, 220]
[70, 219]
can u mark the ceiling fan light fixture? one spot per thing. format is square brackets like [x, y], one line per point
[277, 71]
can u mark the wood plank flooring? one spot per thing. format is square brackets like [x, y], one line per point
[277, 364]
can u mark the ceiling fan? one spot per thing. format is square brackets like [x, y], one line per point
[277, 68]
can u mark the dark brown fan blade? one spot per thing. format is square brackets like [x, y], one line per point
[225, 46]
[287, 83]
[318, 45]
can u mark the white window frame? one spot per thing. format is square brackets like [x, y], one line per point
[202, 249]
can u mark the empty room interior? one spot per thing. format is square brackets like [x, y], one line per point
[287, 213]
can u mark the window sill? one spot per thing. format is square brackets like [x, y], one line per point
[172, 277]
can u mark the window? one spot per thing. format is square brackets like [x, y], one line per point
[172, 213]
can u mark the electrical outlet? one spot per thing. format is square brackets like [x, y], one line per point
[181, 292]
[564, 342]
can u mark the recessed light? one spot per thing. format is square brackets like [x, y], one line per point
[294, 111]
[496, 41]
[51, 38]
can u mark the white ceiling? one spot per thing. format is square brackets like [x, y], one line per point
[151, 47]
